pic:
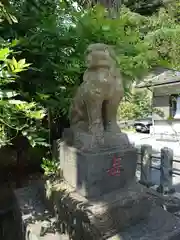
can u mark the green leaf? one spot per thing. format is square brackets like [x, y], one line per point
[36, 114]
[14, 42]
[4, 52]
[14, 62]
[16, 102]
[21, 62]
[13, 18]
[7, 94]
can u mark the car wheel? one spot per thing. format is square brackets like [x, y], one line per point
[138, 130]
[143, 129]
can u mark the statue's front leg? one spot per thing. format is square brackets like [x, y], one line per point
[111, 115]
[95, 121]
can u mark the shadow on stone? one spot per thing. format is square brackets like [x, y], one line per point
[10, 215]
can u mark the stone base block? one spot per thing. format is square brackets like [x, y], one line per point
[103, 217]
[160, 225]
[33, 232]
[86, 141]
[95, 173]
[35, 215]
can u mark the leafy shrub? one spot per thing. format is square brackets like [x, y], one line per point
[137, 105]
[15, 115]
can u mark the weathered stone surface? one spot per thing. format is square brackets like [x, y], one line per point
[96, 101]
[95, 173]
[102, 217]
[160, 225]
[146, 162]
[33, 233]
[95, 156]
[34, 213]
[166, 171]
[84, 141]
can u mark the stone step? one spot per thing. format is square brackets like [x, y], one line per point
[34, 214]
[33, 233]
[161, 225]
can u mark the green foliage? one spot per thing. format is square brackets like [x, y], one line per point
[127, 111]
[15, 115]
[50, 167]
[163, 35]
[5, 15]
[144, 7]
[53, 36]
[137, 105]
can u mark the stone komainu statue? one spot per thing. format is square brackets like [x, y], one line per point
[94, 107]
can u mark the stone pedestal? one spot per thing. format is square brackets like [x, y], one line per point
[95, 173]
[100, 219]
[99, 196]
[160, 225]
[100, 179]
[103, 217]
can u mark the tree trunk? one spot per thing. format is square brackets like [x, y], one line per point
[109, 4]
[113, 6]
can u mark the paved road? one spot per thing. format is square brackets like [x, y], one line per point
[139, 138]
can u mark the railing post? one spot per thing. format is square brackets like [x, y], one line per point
[166, 184]
[146, 160]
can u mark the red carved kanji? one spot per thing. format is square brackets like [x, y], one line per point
[116, 167]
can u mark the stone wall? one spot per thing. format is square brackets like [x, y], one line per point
[164, 128]
[162, 104]
[161, 99]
